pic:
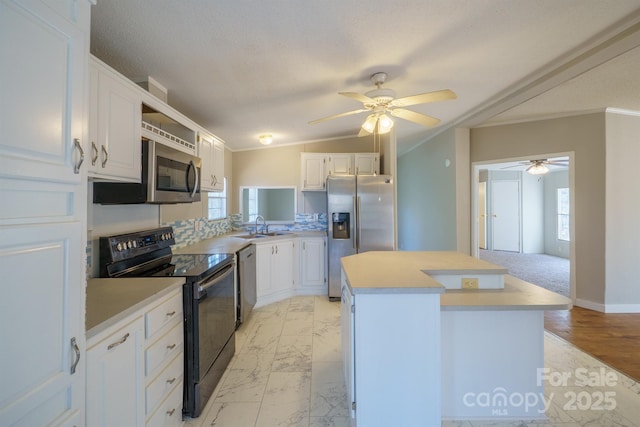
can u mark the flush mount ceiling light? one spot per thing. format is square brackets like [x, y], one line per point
[266, 139]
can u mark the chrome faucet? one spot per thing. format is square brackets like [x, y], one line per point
[264, 223]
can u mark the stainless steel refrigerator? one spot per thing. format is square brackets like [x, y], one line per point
[360, 218]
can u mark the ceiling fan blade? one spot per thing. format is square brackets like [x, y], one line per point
[358, 97]
[557, 162]
[440, 95]
[412, 116]
[514, 166]
[335, 116]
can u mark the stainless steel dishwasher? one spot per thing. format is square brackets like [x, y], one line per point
[247, 295]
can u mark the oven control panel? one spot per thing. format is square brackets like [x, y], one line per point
[131, 245]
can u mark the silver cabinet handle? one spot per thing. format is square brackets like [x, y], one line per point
[171, 347]
[94, 149]
[117, 343]
[171, 313]
[76, 349]
[172, 380]
[276, 249]
[106, 156]
[170, 413]
[271, 250]
[77, 146]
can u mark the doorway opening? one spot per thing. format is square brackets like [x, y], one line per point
[524, 221]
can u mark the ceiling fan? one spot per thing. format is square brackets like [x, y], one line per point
[537, 167]
[381, 101]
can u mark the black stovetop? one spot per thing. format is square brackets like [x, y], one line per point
[148, 254]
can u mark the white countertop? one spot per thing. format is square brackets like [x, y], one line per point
[111, 300]
[389, 272]
[516, 295]
[406, 272]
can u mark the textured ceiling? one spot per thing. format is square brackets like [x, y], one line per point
[244, 67]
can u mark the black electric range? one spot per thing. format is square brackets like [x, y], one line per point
[208, 302]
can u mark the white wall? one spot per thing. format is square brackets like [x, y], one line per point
[553, 181]
[532, 213]
[623, 212]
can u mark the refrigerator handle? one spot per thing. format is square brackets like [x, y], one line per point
[355, 220]
[359, 227]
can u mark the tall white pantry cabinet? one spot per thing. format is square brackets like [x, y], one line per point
[44, 57]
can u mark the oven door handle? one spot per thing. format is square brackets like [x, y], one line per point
[200, 292]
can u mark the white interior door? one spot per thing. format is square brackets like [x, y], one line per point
[505, 215]
[482, 215]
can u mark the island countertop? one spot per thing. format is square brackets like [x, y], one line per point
[408, 272]
[111, 300]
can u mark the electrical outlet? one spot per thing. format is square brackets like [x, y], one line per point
[469, 283]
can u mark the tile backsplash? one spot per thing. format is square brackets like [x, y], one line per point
[191, 231]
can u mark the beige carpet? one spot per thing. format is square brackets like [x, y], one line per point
[547, 271]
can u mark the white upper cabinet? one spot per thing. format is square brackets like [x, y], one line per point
[341, 164]
[114, 125]
[313, 171]
[367, 163]
[211, 151]
[42, 88]
[316, 167]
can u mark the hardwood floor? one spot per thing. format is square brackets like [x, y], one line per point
[612, 338]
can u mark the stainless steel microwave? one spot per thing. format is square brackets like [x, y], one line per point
[168, 176]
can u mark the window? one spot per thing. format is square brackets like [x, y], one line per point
[252, 204]
[218, 203]
[562, 208]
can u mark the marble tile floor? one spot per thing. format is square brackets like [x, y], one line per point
[287, 371]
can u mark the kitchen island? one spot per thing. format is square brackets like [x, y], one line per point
[416, 352]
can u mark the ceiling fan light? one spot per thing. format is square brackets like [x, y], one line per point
[265, 139]
[537, 169]
[384, 124]
[370, 124]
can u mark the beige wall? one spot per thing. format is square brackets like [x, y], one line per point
[585, 136]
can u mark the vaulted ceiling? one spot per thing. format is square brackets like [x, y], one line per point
[242, 68]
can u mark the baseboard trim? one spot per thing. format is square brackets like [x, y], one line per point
[608, 308]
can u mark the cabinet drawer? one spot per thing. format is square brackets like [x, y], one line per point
[169, 412]
[158, 389]
[164, 349]
[163, 314]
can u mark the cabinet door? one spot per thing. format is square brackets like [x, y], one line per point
[347, 324]
[211, 151]
[218, 165]
[206, 153]
[314, 174]
[282, 265]
[114, 373]
[42, 313]
[367, 164]
[312, 262]
[42, 86]
[117, 152]
[341, 164]
[264, 253]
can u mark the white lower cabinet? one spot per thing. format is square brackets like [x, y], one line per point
[313, 265]
[135, 369]
[114, 369]
[274, 268]
[391, 355]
